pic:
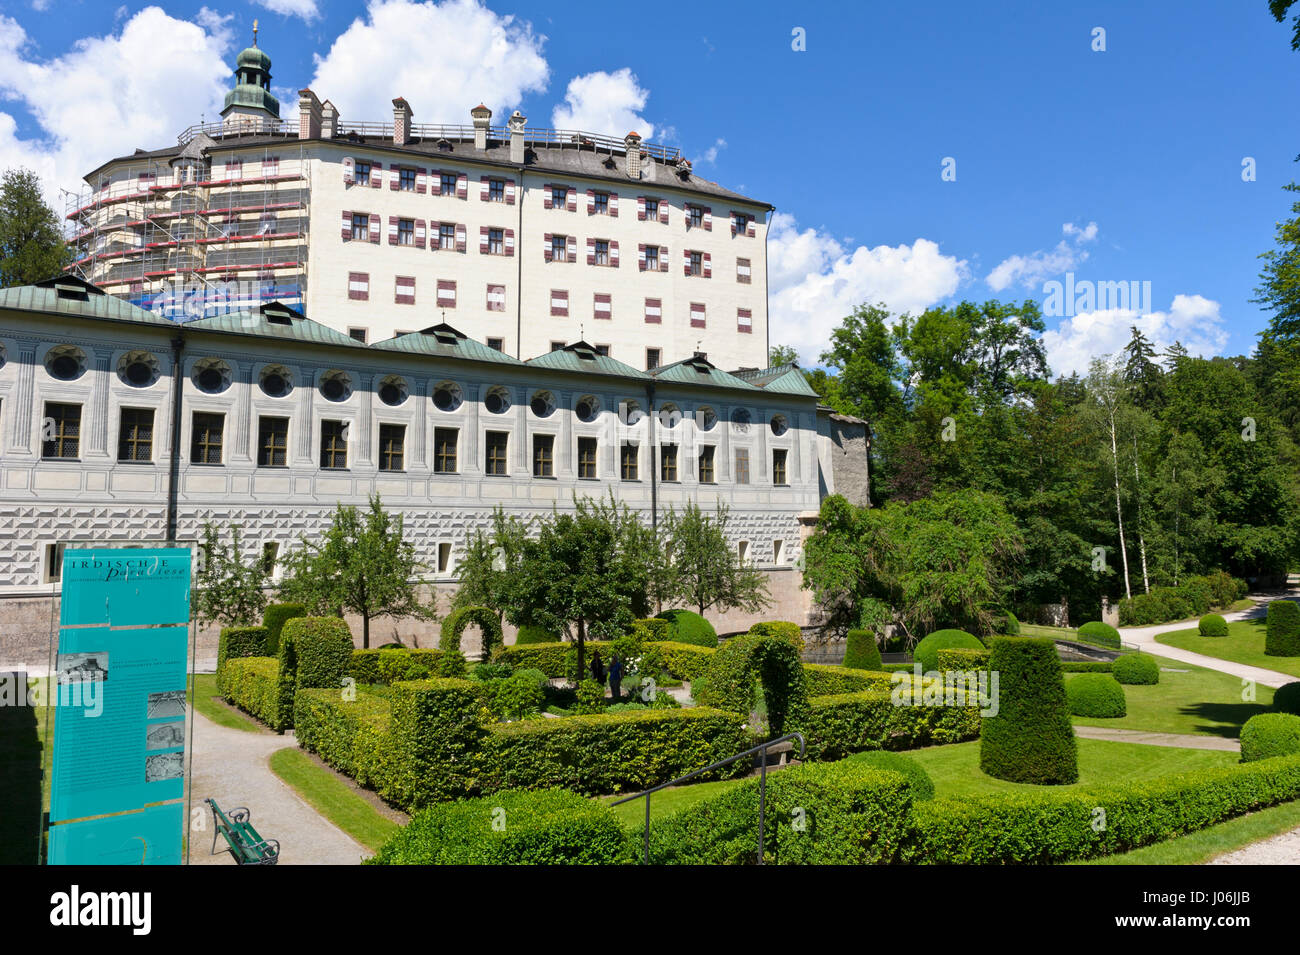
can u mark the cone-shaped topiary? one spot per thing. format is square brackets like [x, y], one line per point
[1287, 698]
[1212, 625]
[1270, 734]
[1030, 739]
[1095, 695]
[927, 651]
[861, 651]
[1136, 669]
[1282, 636]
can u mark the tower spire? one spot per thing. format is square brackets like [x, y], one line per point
[254, 32]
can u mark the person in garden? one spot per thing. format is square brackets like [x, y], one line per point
[615, 676]
[597, 667]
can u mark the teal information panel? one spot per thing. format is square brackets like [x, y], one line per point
[119, 730]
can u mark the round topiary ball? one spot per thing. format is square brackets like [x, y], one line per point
[861, 651]
[1282, 633]
[1029, 739]
[1097, 632]
[530, 634]
[927, 651]
[689, 627]
[1268, 735]
[1286, 699]
[1212, 625]
[1136, 669]
[1095, 695]
[918, 780]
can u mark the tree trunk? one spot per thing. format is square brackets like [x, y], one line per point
[582, 648]
[365, 631]
[1119, 510]
[1142, 541]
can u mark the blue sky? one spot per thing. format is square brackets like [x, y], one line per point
[1117, 165]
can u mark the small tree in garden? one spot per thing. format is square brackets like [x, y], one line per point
[363, 564]
[227, 587]
[491, 560]
[1030, 739]
[704, 570]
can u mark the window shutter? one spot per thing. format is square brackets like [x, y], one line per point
[446, 293]
[602, 307]
[546, 247]
[546, 196]
[376, 174]
[392, 230]
[435, 182]
[358, 286]
[394, 179]
[349, 170]
[347, 227]
[686, 261]
[591, 251]
[663, 258]
[613, 205]
[640, 256]
[510, 241]
[653, 311]
[744, 320]
[708, 265]
[613, 253]
[510, 192]
[591, 202]
[462, 186]
[572, 248]
[749, 229]
[640, 208]
[496, 298]
[697, 314]
[421, 180]
[663, 211]
[483, 188]
[460, 237]
[571, 197]
[374, 228]
[482, 240]
[733, 225]
[419, 233]
[559, 302]
[404, 290]
[708, 219]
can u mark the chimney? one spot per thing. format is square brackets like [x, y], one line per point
[329, 123]
[482, 117]
[516, 124]
[633, 143]
[309, 115]
[401, 122]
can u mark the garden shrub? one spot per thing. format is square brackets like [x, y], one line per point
[238, 642]
[435, 740]
[1212, 625]
[1087, 666]
[612, 752]
[784, 629]
[918, 780]
[515, 696]
[530, 635]
[927, 651]
[826, 680]
[1010, 625]
[365, 665]
[253, 685]
[769, 661]
[323, 647]
[493, 671]
[861, 652]
[547, 657]
[837, 726]
[1095, 695]
[684, 661]
[961, 658]
[1094, 631]
[456, 622]
[451, 665]
[274, 619]
[590, 697]
[1193, 597]
[1282, 629]
[689, 627]
[1286, 698]
[1270, 734]
[349, 735]
[652, 628]
[1136, 669]
[832, 814]
[1030, 740]
[546, 827]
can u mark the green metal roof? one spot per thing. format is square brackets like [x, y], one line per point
[583, 359]
[274, 320]
[786, 379]
[444, 341]
[699, 371]
[67, 295]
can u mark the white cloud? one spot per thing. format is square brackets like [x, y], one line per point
[710, 155]
[444, 58]
[814, 282]
[40, 6]
[606, 103]
[1030, 270]
[108, 95]
[1191, 319]
[292, 8]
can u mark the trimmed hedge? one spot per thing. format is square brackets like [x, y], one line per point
[1193, 597]
[456, 622]
[348, 735]
[861, 652]
[1282, 633]
[1030, 740]
[1270, 734]
[547, 827]
[1136, 669]
[435, 740]
[1094, 631]
[609, 753]
[773, 663]
[1212, 625]
[782, 629]
[397, 664]
[1286, 698]
[689, 627]
[274, 619]
[1095, 695]
[253, 685]
[652, 628]
[918, 780]
[962, 659]
[1059, 826]
[837, 726]
[1087, 666]
[826, 680]
[550, 658]
[927, 651]
[239, 642]
[684, 661]
[323, 647]
[529, 634]
[838, 814]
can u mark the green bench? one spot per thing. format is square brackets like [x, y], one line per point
[246, 846]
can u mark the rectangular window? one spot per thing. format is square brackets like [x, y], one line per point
[742, 271]
[444, 450]
[272, 442]
[270, 555]
[651, 359]
[496, 298]
[559, 197]
[205, 439]
[694, 217]
[444, 557]
[706, 465]
[543, 455]
[496, 344]
[739, 223]
[587, 459]
[602, 252]
[392, 447]
[668, 462]
[359, 286]
[557, 346]
[778, 466]
[360, 227]
[496, 190]
[778, 547]
[447, 235]
[652, 208]
[62, 432]
[447, 183]
[494, 458]
[559, 248]
[742, 551]
[406, 232]
[406, 180]
[696, 263]
[446, 293]
[742, 466]
[496, 242]
[602, 350]
[652, 258]
[358, 334]
[333, 445]
[362, 173]
[600, 203]
[54, 563]
[135, 439]
[628, 456]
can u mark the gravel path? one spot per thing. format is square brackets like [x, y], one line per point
[1177, 740]
[231, 767]
[1280, 850]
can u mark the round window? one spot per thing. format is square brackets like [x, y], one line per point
[210, 379]
[65, 367]
[497, 401]
[706, 418]
[446, 397]
[276, 381]
[779, 425]
[543, 404]
[587, 409]
[390, 394]
[333, 389]
[139, 373]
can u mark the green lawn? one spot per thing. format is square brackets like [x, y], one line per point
[667, 802]
[334, 799]
[1243, 644]
[207, 701]
[1204, 844]
[1198, 702]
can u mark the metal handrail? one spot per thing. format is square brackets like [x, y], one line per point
[762, 786]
